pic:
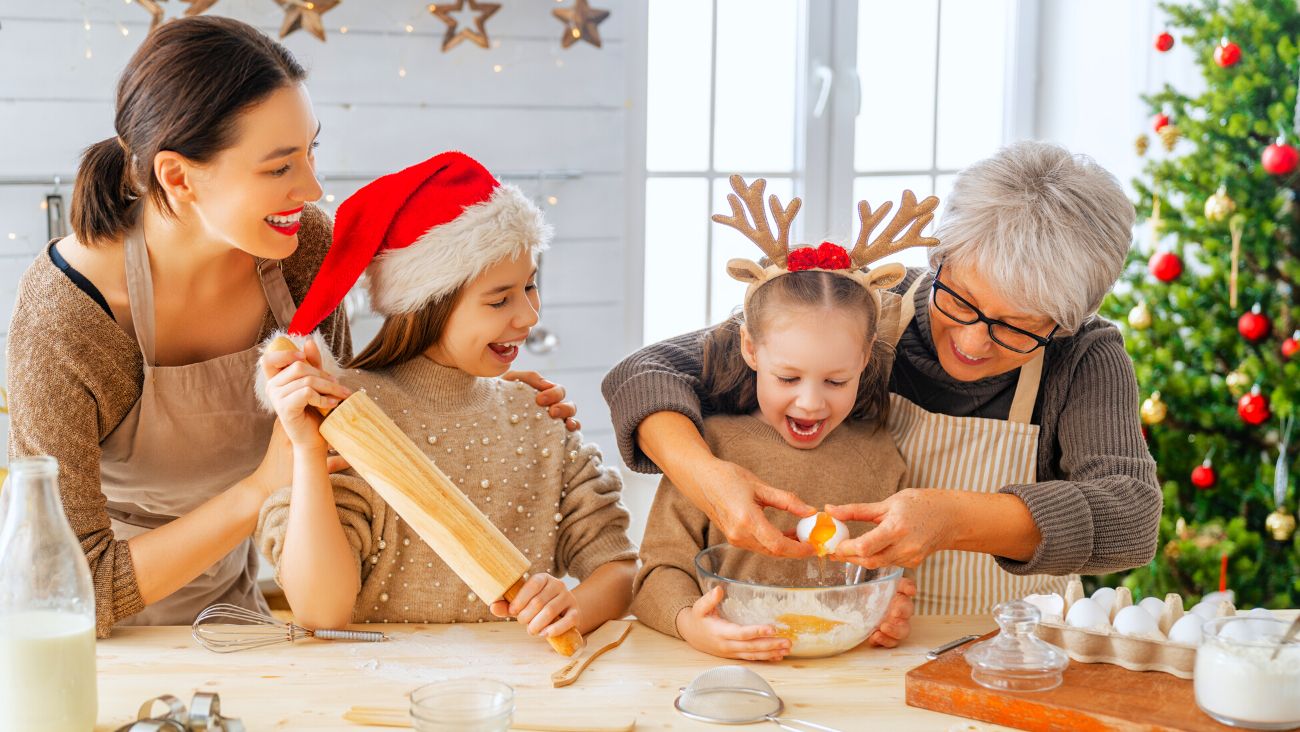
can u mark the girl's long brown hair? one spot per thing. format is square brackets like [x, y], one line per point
[731, 386]
[404, 336]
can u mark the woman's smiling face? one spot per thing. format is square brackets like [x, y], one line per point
[965, 351]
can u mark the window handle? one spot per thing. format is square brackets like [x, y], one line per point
[825, 78]
[857, 92]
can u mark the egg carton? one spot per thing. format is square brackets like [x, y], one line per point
[1133, 652]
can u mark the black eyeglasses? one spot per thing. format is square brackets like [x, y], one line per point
[1008, 336]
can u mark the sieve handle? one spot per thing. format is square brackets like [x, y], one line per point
[804, 726]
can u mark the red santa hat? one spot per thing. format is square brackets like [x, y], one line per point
[419, 235]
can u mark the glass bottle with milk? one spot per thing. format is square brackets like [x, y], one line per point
[47, 609]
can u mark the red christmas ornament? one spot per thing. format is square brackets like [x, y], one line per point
[1159, 121]
[1280, 158]
[1145, 435]
[1227, 53]
[1254, 325]
[1253, 407]
[1203, 475]
[1164, 42]
[1291, 346]
[1165, 266]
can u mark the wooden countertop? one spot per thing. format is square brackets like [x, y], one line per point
[308, 686]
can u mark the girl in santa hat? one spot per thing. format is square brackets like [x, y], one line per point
[450, 256]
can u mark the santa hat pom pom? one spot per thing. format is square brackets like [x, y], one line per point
[329, 364]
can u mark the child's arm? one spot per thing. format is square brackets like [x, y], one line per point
[668, 597]
[315, 561]
[605, 595]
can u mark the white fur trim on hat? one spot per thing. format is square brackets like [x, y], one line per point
[451, 254]
[329, 364]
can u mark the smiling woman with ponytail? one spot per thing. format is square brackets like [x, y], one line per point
[134, 341]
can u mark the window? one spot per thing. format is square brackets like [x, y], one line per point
[835, 101]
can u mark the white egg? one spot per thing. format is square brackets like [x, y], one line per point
[1105, 597]
[1214, 598]
[1086, 613]
[1135, 621]
[1259, 612]
[1155, 607]
[806, 525]
[1051, 607]
[1187, 630]
[1239, 630]
[1205, 610]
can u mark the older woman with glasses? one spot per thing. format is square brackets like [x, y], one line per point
[1014, 405]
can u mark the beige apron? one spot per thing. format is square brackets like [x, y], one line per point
[973, 454]
[195, 431]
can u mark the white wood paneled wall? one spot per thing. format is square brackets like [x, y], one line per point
[547, 110]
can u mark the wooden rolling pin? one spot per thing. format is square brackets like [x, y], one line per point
[460, 534]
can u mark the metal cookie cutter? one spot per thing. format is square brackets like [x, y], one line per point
[204, 715]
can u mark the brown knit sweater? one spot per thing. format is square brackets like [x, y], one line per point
[1096, 503]
[541, 485]
[74, 374]
[856, 463]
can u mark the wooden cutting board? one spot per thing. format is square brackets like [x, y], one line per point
[1093, 696]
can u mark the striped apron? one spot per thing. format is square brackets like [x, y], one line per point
[972, 454]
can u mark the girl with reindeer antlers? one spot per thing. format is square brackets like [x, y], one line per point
[801, 378]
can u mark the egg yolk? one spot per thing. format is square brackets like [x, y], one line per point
[823, 531]
[794, 624]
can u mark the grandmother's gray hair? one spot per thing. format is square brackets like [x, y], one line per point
[1050, 228]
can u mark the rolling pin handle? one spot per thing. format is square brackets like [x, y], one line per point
[566, 643]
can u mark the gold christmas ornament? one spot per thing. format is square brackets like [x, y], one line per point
[1169, 135]
[1154, 410]
[1238, 383]
[1140, 316]
[305, 15]
[1280, 524]
[1141, 144]
[580, 23]
[1219, 206]
[454, 35]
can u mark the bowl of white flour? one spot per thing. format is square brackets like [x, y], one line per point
[823, 607]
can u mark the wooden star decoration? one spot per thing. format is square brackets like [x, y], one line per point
[455, 34]
[198, 7]
[580, 23]
[305, 14]
[154, 9]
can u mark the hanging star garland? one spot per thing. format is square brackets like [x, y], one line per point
[455, 34]
[580, 23]
[153, 9]
[198, 7]
[305, 14]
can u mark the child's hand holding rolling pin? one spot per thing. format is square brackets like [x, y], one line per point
[296, 381]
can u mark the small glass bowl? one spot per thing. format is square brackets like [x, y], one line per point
[1245, 676]
[823, 607]
[463, 705]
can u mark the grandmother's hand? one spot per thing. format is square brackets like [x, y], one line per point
[911, 525]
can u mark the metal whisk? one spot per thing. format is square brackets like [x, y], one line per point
[225, 628]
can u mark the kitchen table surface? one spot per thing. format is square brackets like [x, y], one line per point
[311, 684]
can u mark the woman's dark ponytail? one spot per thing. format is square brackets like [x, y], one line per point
[103, 199]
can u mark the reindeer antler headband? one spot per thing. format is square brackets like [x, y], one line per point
[828, 257]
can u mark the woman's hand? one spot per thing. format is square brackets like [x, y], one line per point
[898, 617]
[294, 382]
[911, 525]
[549, 395]
[702, 627]
[544, 605]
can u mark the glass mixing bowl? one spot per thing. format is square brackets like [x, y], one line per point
[823, 607]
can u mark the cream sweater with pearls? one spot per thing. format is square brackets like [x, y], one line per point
[546, 490]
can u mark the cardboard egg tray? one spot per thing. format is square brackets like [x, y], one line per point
[1089, 645]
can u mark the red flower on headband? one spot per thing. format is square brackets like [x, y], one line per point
[826, 256]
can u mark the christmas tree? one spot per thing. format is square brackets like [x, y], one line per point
[1208, 305]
